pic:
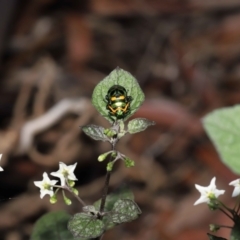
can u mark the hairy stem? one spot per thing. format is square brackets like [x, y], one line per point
[105, 192]
[68, 188]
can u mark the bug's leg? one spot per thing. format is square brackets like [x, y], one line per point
[129, 98]
[126, 108]
[110, 116]
[105, 101]
[106, 98]
[129, 111]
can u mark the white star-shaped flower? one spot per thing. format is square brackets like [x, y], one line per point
[208, 193]
[1, 169]
[46, 185]
[236, 184]
[65, 173]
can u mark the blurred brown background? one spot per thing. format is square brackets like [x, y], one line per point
[186, 57]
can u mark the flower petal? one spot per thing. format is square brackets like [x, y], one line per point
[236, 190]
[209, 192]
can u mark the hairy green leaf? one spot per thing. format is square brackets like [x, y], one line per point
[139, 125]
[95, 132]
[125, 210]
[223, 128]
[52, 226]
[86, 226]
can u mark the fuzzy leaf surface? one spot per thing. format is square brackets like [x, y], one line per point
[223, 128]
[95, 132]
[85, 226]
[125, 210]
[52, 226]
[138, 125]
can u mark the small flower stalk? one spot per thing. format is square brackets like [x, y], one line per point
[115, 155]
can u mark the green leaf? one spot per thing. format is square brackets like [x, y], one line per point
[125, 210]
[52, 226]
[223, 128]
[95, 132]
[124, 192]
[124, 79]
[86, 226]
[139, 125]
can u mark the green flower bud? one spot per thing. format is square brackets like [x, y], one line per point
[75, 191]
[214, 227]
[53, 199]
[114, 154]
[129, 162]
[103, 156]
[109, 132]
[109, 166]
[67, 201]
[71, 183]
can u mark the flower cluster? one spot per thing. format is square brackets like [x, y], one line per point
[210, 196]
[210, 193]
[66, 176]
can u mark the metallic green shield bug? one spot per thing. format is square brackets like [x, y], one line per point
[118, 102]
[119, 108]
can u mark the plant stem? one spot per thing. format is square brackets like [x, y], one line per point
[105, 192]
[106, 185]
[104, 196]
[226, 213]
[79, 199]
[70, 190]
